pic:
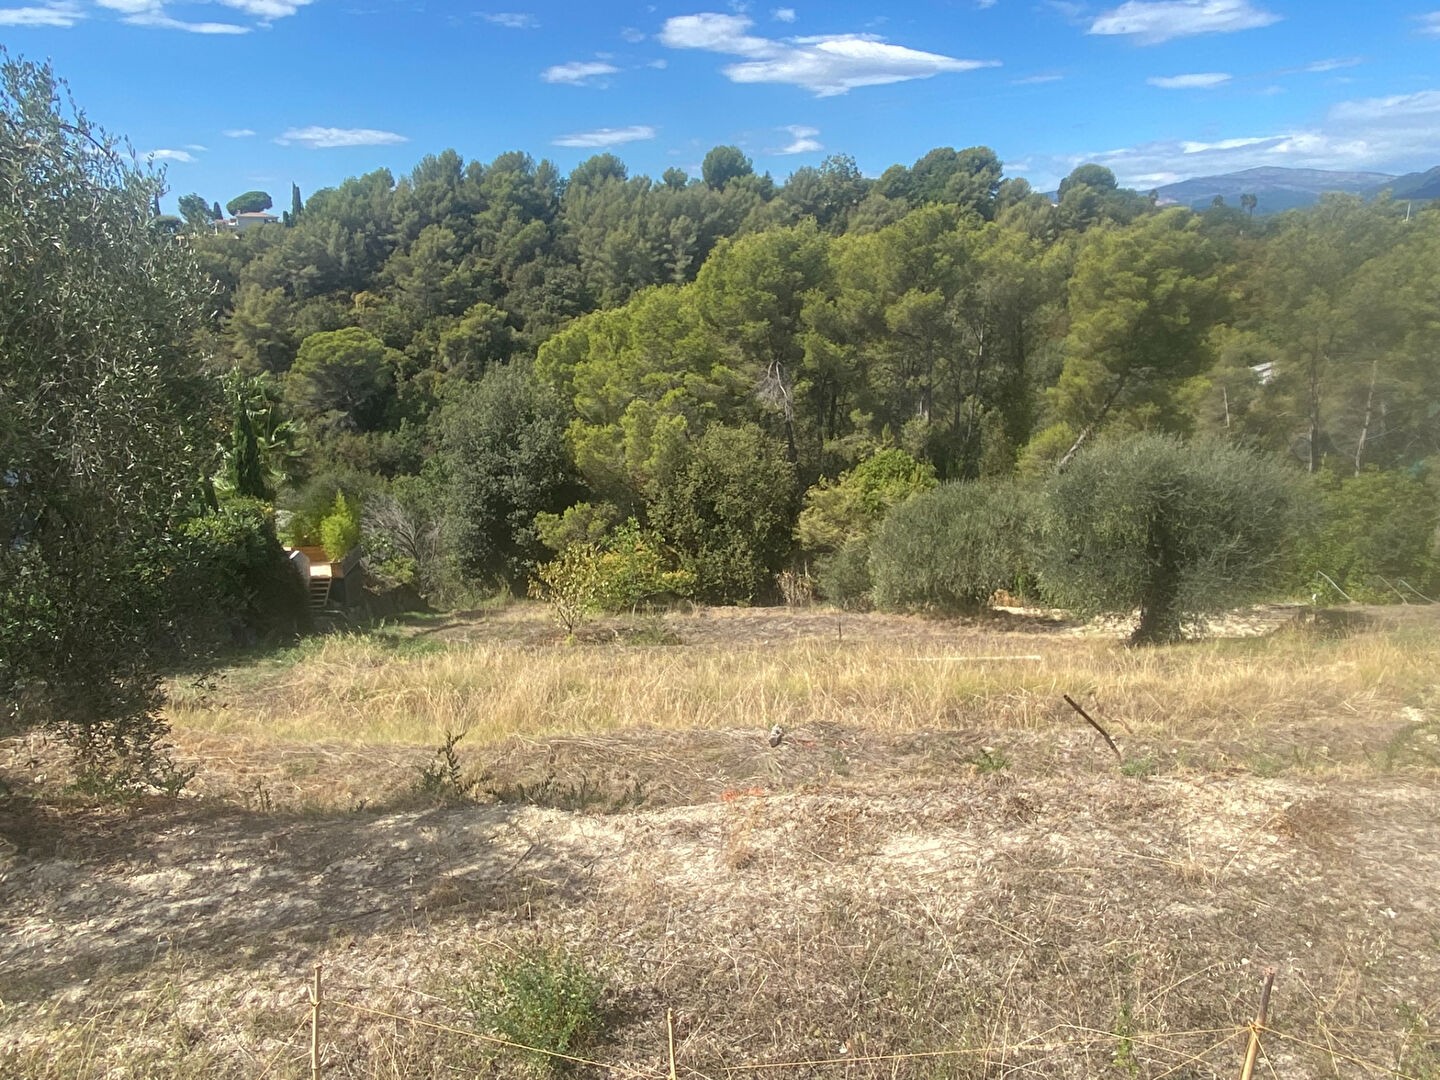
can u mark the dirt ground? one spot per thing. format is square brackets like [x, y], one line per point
[841, 905]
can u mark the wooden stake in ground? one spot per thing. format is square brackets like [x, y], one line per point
[1090, 720]
[1252, 1050]
[670, 1036]
[315, 1026]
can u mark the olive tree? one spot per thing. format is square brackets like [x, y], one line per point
[105, 428]
[1175, 530]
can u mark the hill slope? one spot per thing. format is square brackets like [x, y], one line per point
[1276, 189]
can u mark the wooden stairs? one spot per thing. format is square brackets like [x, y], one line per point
[319, 593]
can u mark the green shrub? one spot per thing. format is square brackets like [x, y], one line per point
[844, 576]
[340, 529]
[1371, 529]
[543, 999]
[619, 574]
[229, 563]
[952, 548]
[1176, 530]
[852, 507]
[729, 512]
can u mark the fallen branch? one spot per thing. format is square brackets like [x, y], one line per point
[1091, 721]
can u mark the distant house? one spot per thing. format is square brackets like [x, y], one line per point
[246, 222]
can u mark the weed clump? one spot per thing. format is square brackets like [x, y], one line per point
[542, 1000]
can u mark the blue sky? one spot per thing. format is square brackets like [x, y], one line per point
[235, 94]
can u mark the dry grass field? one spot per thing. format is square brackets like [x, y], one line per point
[941, 871]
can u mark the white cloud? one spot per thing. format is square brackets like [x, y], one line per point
[62, 15]
[196, 147]
[803, 140]
[1389, 134]
[172, 155]
[658, 65]
[784, 14]
[607, 136]
[826, 65]
[265, 10]
[238, 133]
[1429, 23]
[329, 138]
[152, 15]
[579, 73]
[1206, 80]
[1223, 144]
[1035, 80]
[631, 35]
[1153, 21]
[985, 5]
[511, 20]
[1335, 64]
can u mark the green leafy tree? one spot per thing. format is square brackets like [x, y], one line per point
[724, 164]
[196, 211]
[504, 443]
[104, 430]
[729, 511]
[342, 380]
[1375, 537]
[1178, 531]
[1143, 300]
[251, 202]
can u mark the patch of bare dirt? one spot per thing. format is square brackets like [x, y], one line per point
[1029, 924]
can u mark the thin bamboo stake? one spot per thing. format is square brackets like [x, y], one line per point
[315, 1026]
[1252, 1051]
[670, 1035]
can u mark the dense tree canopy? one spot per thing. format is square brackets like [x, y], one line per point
[482, 354]
[105, 425]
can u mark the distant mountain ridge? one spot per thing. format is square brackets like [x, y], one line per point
[1277, 189]
[1415, 185]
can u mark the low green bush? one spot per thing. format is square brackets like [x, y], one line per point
[542, 999]
[951, 548]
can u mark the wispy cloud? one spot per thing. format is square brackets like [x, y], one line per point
[62, 15]
[631, 35]
[152, 15]
[1152, 21]
[602, 137]
[784, 14]
[1429, 23]
[156, 14]
[238, 133]
[1035, 80]
[172, 155]
[1333, 64]
[579, 73]
[329, 138]
[1205, 80]
[802, 140]
[511, 20]
[196, 147]
[826, 65]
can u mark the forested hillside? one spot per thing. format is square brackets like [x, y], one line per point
[603, 390]
[474, 345]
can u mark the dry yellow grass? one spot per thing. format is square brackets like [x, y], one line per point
[939, 872]
[369, 690]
